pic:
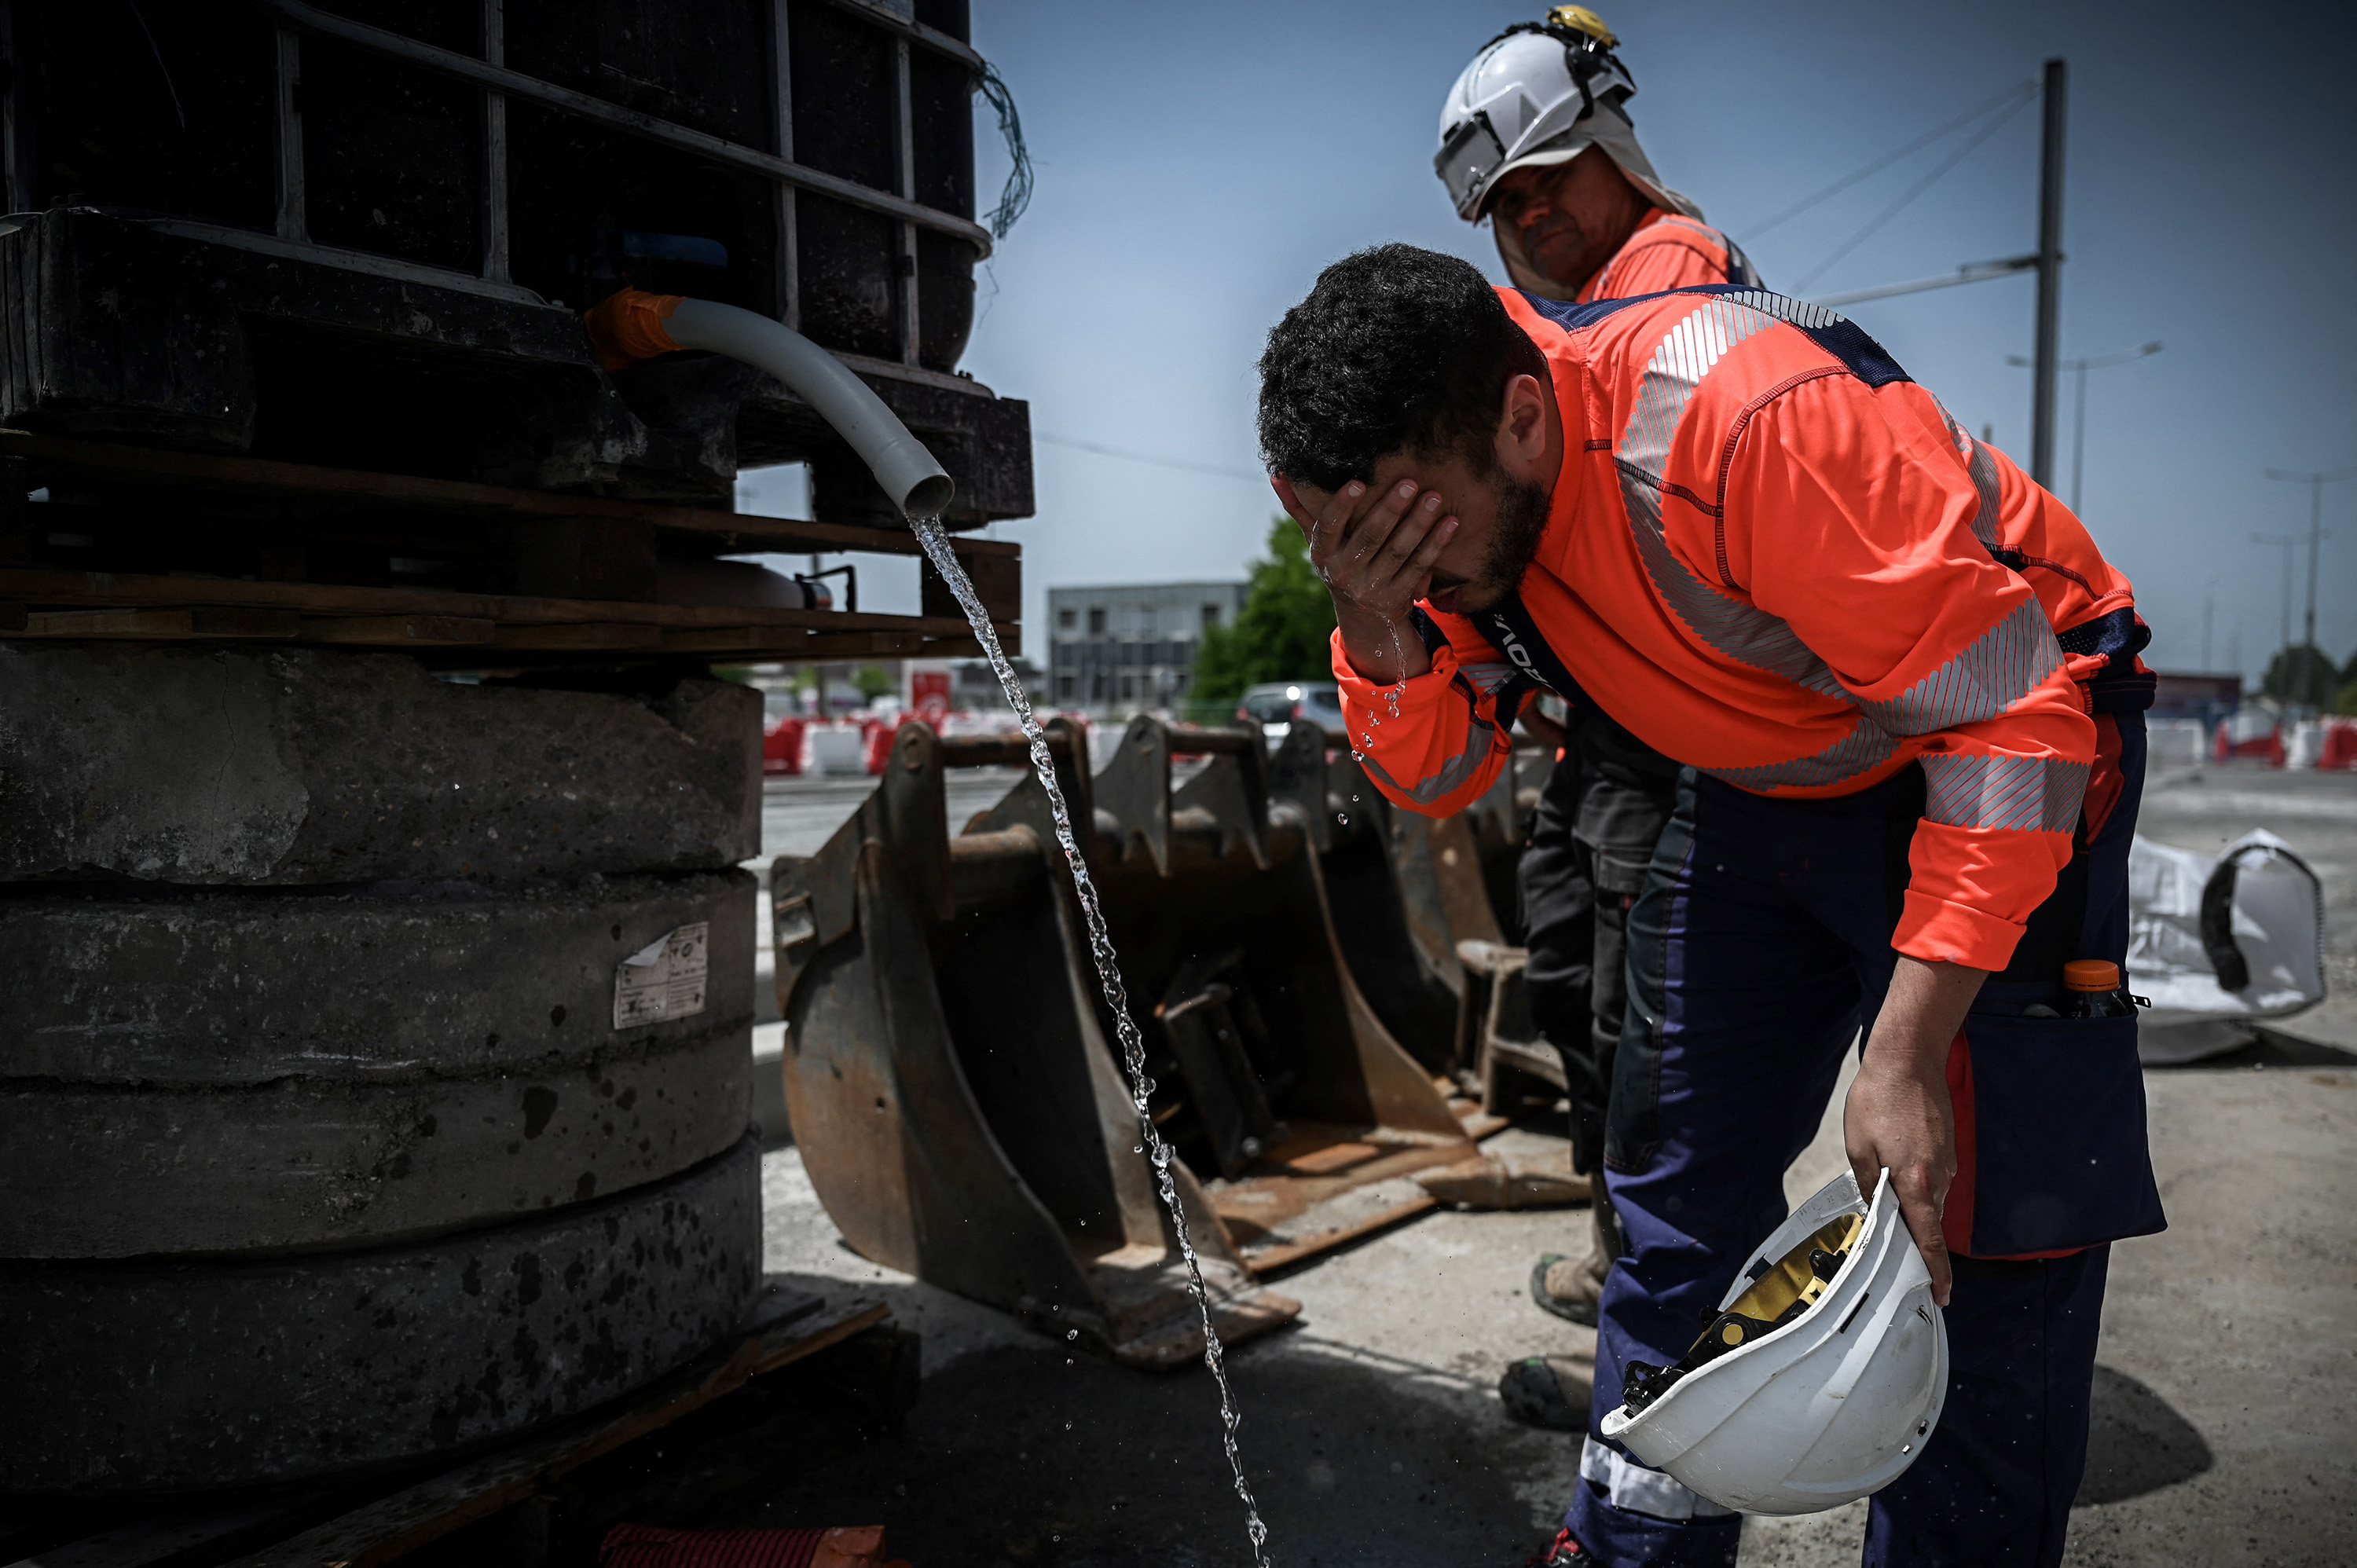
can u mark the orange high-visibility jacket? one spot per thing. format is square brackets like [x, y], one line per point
[1773, 557]
[1668, 250]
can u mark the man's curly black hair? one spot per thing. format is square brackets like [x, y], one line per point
[1395, 350]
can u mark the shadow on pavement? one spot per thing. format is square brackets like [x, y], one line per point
[2273, 1048]
[2135, 1443]
[1020, 1456]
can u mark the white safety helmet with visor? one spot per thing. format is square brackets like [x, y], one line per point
[1541, 93]
[1819, 1381]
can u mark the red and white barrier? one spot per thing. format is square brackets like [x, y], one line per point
[2328, 743]
[782, 748]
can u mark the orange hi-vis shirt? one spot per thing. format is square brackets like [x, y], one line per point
[1772, 557]
[1668, 250]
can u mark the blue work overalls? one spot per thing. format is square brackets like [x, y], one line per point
[1759, 948]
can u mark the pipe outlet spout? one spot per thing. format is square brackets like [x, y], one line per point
[632, 325]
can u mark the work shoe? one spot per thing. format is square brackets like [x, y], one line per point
[1550, 1391]
[1560, 1552]
[1570, 1287]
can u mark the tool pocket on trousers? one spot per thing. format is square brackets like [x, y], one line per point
[2056, 1114]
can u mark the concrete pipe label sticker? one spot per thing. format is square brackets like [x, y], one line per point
[664, 979]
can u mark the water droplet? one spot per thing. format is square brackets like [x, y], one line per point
[1071, 1334]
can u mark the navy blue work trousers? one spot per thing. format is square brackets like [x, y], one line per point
[1760, 945]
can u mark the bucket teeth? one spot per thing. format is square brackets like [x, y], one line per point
[953, 1081]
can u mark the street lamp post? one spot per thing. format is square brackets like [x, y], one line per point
[2289, 543]
[2079, 368]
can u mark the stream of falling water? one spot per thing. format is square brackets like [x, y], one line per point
[936, 541]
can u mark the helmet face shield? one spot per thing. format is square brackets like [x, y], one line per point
[1470, 154]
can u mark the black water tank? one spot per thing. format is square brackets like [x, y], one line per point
[170, 111]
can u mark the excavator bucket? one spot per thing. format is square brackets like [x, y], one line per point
[1408, 891]
[950, 1088]
[1500, 822]
[1391, 875]
[949, 1069]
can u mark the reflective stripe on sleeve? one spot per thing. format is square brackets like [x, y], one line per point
[1488, 678]
[2023, 794]
[1480, 735]
[1996, 671]
[1982, 470]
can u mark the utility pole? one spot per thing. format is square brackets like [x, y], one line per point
[2289, 543]
[2315, 483]
[2209, 608]
[2050, 272]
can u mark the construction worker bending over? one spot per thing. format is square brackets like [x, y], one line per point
[1535, 137]
[1904, 684]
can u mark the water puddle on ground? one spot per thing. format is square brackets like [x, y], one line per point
[935, 539]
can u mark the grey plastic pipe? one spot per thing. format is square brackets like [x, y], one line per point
[915, 482]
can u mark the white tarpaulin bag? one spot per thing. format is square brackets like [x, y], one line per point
[2214, 943]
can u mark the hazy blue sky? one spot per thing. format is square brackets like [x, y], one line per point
[1196, 165]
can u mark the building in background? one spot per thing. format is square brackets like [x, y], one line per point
[1129, 648]
[976, 687]
[2207, 697]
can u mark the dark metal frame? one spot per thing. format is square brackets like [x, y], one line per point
[497, 84]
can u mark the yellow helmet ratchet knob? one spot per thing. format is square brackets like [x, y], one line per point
[1585, 21]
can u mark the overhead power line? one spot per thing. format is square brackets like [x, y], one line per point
[1918, 188]
[1149, 458]
[1971, 272]
[2008, 97]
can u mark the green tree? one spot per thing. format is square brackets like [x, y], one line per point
[2303, 675]
[1281, 634]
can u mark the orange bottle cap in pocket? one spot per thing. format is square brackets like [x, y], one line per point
[2092, 974]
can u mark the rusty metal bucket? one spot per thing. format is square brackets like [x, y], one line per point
[949, 1072]
[1405, 889]
[1408, 891]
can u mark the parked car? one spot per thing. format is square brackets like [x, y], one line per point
[1277, 703]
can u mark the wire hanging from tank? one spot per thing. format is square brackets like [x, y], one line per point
[1016, 194]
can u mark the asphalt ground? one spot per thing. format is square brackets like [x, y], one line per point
[2225, 1428]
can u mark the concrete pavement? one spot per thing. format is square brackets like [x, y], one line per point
[1372, 1433]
